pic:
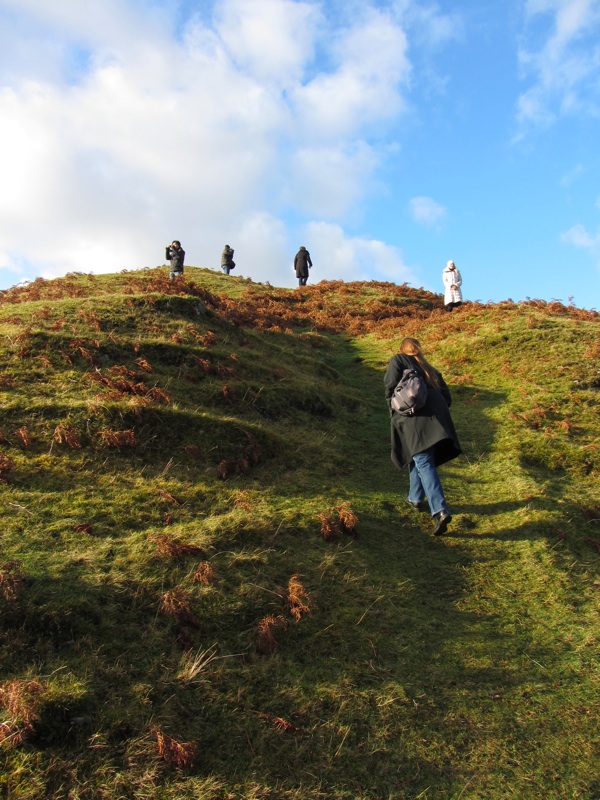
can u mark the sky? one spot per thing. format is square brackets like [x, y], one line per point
[386, 136]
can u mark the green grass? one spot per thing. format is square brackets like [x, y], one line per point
[461, 667]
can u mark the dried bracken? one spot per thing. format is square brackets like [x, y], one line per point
[591, 513]
[6, 381]
[228, 467]
[26, 438]
[66, 434]
[297, 599]
[228, 393]
[123, 383]
[267, 643]
[160, 395]
[118, 439]
[252, 456]
[170, 547]
[280, 724]
[22, 700]
[337, 521]
[177, 604]
[204, 574]
[243, 501]
[168, 497]
[348, 519]
[143, 364]
[83, 527]
[253, 451]
[207, 339]
[173, 752]
[12, 579]
[204, 364]
[125, 372]
[7, 465]
[193, 451]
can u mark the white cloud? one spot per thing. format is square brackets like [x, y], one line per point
[573, 175]
[272, 39]
[371, 65]
[426, 211]
[579, 237]
[330, 181]
[128, 131]
[562, 60]
[353, 258]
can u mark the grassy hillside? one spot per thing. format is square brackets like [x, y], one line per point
[210, 584]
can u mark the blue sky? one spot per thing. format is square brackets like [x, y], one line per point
[387, 136]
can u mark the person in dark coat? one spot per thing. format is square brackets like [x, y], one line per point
[227, 262]
[302, 264]
[426, 439]
[176, 255]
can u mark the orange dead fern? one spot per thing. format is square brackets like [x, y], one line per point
[7, 465]
[143, 364]
[24, 436]
[65, 434]
[173, 752]
[22, 700]
[193, 451]
[267, 643]
[297, 598]
[280, 724]
[177, 604]
[337, 521]
[170, 547]
[118, 439]
[12, 579]
[204, 574]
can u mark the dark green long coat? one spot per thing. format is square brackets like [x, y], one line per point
[430, 426]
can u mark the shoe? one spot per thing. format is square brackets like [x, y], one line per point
[441, 520]
[417, 506]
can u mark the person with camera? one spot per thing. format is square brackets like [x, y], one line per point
[176, 255]
[227, 262]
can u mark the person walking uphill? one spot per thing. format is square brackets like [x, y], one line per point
[302, 264]
[227, 262]
[452, 283]
[425, 439]
[176, 255]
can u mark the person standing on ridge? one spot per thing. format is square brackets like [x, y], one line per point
[227, 262]
[302, 264]
[452, 283]
[426, 438]
[176, 255]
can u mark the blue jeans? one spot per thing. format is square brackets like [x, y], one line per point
[424, 481]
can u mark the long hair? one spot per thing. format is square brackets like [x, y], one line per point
[411, 347]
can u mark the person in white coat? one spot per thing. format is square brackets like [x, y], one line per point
[452, 283]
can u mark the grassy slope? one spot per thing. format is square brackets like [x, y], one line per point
[461, 667]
